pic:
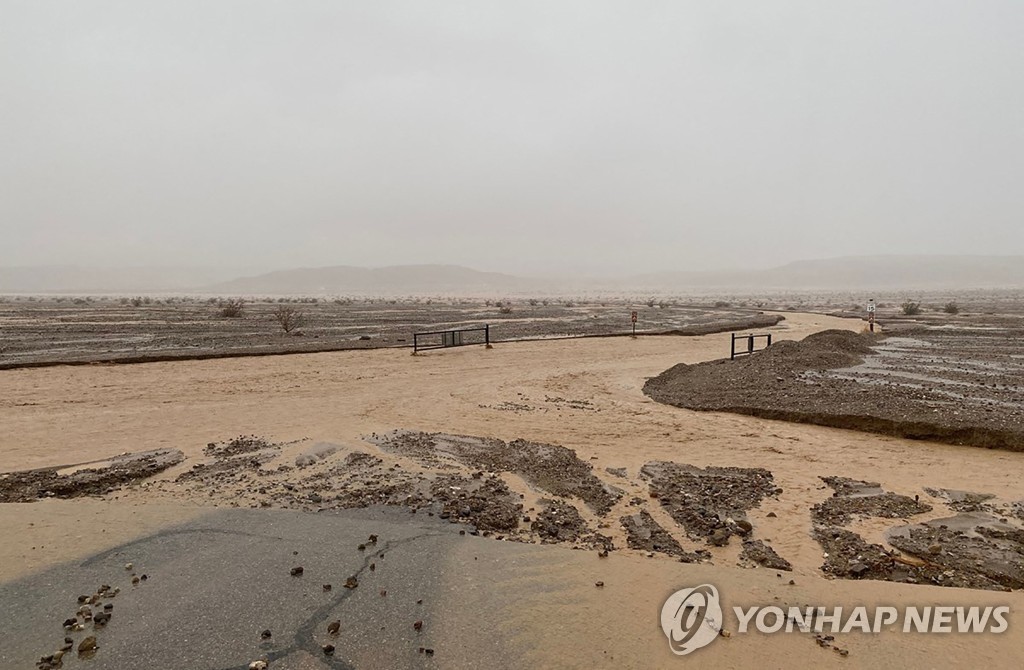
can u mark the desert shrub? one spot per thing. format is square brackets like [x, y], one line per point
[136, 301]
[289, 318]
[951, 308]
[505, 309]
[533, 302]
[652, 302]
[722, 303]
[232, 308]
[911, 308]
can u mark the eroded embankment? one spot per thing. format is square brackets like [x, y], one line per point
[797, 381]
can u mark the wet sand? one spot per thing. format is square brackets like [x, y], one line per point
[582, 394]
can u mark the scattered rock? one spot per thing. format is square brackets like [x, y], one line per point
[756, 551]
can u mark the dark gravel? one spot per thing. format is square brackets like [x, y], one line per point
[960, 388]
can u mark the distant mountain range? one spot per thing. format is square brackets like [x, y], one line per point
[849, 273]
[856, 272]
[397, 279]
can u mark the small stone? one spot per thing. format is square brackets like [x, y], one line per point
[373, 567]
[87, 645]
[383, 592]
[418, 625]
[720, 537]
[296, 571]
[327, 587]
[361, 547]
[266, 635]
[419, 602]
[351, 583]
[334, 627]
[599, 584]
[258, 665]
[135, 579]
[70, 623]
[373, 539]
[772, 515]
[328, 649]
[128, 566]
[792, 583]
[429, 652]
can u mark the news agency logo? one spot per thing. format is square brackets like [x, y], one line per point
[692, 618]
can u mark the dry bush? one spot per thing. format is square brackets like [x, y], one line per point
[505, 309]
[289, 318]
[951, 308]
[911, 308]
[232, 308]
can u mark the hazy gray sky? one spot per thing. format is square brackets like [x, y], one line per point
[516, 136]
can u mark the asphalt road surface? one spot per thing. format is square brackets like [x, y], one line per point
[215, 584]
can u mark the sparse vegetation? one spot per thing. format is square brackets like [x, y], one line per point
[232, 308]
[505, 309]
[722, 304]
[289, 318]
[951, 308]
[911, 308]
[136, 301]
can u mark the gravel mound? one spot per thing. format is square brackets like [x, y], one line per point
[821, 380]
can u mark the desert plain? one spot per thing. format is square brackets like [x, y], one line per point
[527, 505]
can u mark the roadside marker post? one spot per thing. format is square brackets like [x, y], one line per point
[632, 318]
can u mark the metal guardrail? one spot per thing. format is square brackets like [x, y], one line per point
[749, 341]
[443, 339]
